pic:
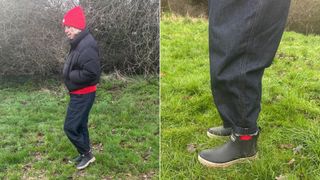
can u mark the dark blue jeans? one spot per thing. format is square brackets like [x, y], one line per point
[76, 122]
[243, 38]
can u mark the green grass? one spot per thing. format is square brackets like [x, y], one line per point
[123, 126]
[290, 107]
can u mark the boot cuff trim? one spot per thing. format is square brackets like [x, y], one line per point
[245, 137]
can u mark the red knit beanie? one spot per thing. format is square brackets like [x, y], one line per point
[75, 18]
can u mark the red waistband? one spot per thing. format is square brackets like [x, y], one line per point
[85, 90]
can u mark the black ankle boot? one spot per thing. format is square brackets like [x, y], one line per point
[240, 147]
[219, 131]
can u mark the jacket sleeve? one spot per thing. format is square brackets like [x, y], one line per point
[89, 67]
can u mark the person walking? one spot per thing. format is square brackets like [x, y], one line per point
[81, 74]
[243, 38]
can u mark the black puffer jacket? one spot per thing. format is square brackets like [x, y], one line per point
[82, 65]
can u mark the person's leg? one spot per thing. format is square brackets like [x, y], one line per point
[85, 133]
[243, 38]
[77, 115]
[87, 157]
[84, 125]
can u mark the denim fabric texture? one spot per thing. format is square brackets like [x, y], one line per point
[76, 122]
[243, 38]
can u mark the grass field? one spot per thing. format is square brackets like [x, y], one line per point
[289, 145]
[124, 130]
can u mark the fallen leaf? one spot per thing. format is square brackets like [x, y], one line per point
[65, 160]
[291, 161]
[282, 177]
[92, 126]
[80, 174]
[140, 139]
[286, 146]
[37, 156]
[40, 140]
[108, 178]
[27, 167]
[279, 97]
[147, 176]
[23, 102]
[45, 90]
[186, 97]
[40, 134]
[98, 147]
[191, 148]
[297, 149]
[156, 133]
[147, 154]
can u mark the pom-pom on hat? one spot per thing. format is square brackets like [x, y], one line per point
[75, 18]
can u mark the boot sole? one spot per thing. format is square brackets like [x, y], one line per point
[87, 164]
[210, 135]
[226, 164]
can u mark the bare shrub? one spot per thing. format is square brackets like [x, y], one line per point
[193, 8]
[304, 16]
[128, 33]
[32, 39]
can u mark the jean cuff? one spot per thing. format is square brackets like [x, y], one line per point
[245, 131]
[227, 125]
